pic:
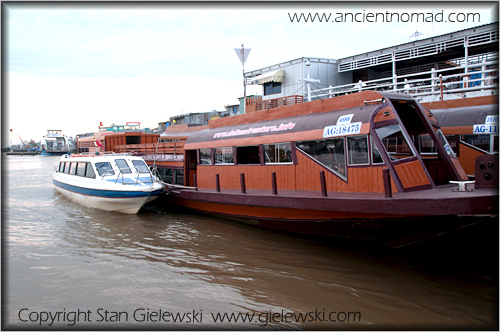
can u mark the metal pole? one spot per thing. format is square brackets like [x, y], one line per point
[244, 81]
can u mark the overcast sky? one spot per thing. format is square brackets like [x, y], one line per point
[71, 66]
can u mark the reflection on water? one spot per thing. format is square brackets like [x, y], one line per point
[63, 257]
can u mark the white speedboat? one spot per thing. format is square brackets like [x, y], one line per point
[111, 182]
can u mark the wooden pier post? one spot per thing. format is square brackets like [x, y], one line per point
[217, 183]
[275, 185]
[322, 180]
[242, 182]
[387, 183]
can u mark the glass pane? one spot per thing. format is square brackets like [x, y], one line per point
[123, 166]
[329, 152]
[358, 150]
[444, 142]
[140, 166]
[72, 169]
[376, 156]
[205, 156]
[284, 153]
[427, 145]
[270, 153]
[479, 141]
[81, 169]
[249, 155]
[104, 168]
[224, 155]
[90, 171]
[278, 153]
[66, 169]
[179, 176]
[395, 142]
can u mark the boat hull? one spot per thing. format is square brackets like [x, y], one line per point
[128, 202]
[398, 221]
[52, 153]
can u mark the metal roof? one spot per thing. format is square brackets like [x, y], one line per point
[433, 39]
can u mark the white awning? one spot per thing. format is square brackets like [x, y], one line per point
[274, 76]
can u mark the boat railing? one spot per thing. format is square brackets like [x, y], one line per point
[127, 170]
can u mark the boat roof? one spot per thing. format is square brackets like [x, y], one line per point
[98, 157]
[464, 116]
[286, 129]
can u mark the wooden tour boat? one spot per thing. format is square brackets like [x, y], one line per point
[367, 165]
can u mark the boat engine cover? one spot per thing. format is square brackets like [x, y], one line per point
[486, 171]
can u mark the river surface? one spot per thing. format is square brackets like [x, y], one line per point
[66, 266]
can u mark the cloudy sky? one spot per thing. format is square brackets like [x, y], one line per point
[71, 66]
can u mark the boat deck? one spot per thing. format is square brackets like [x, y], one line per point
[443, 200]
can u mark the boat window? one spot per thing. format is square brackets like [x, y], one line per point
[123, 166]
[179, 176]
[165, 174]
[329, 152]
[358, 150]
[140, 166]
[67, 167]
[205, 156]
[426, 145]
[81, 169]
[248, 155]
[72, 168]
[61, 166]
[444, 142]
[224, 155]
[271, 88]
[104, 168]
[376, 156]
[395, 142]
[90, 171]
[481, 142]
[277, 153]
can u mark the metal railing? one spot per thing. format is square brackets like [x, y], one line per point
[278, 102]
[121, 172]
[476, 77]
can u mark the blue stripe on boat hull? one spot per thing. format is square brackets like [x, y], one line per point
[106, 193]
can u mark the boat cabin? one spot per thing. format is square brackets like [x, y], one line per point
[340, 144]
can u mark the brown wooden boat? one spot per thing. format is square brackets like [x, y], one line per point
[347, 166]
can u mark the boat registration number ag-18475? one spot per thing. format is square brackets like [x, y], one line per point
[343, 127]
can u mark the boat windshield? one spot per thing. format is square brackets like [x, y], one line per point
[104, 168]
[123, 166]
[395, 142]
[140, 166]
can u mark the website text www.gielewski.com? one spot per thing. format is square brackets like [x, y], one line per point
[386, 17]
[143, 315]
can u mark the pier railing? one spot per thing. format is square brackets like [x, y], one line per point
[479, 77]
[160, 148]
[278, 102]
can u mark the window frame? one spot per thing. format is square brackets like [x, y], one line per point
[330, 169]
[349, 154]
[105, 173]
[238, 150]
[211, 159]
[124, 170]
[276, 154]
[272, 88]
[224, 150]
